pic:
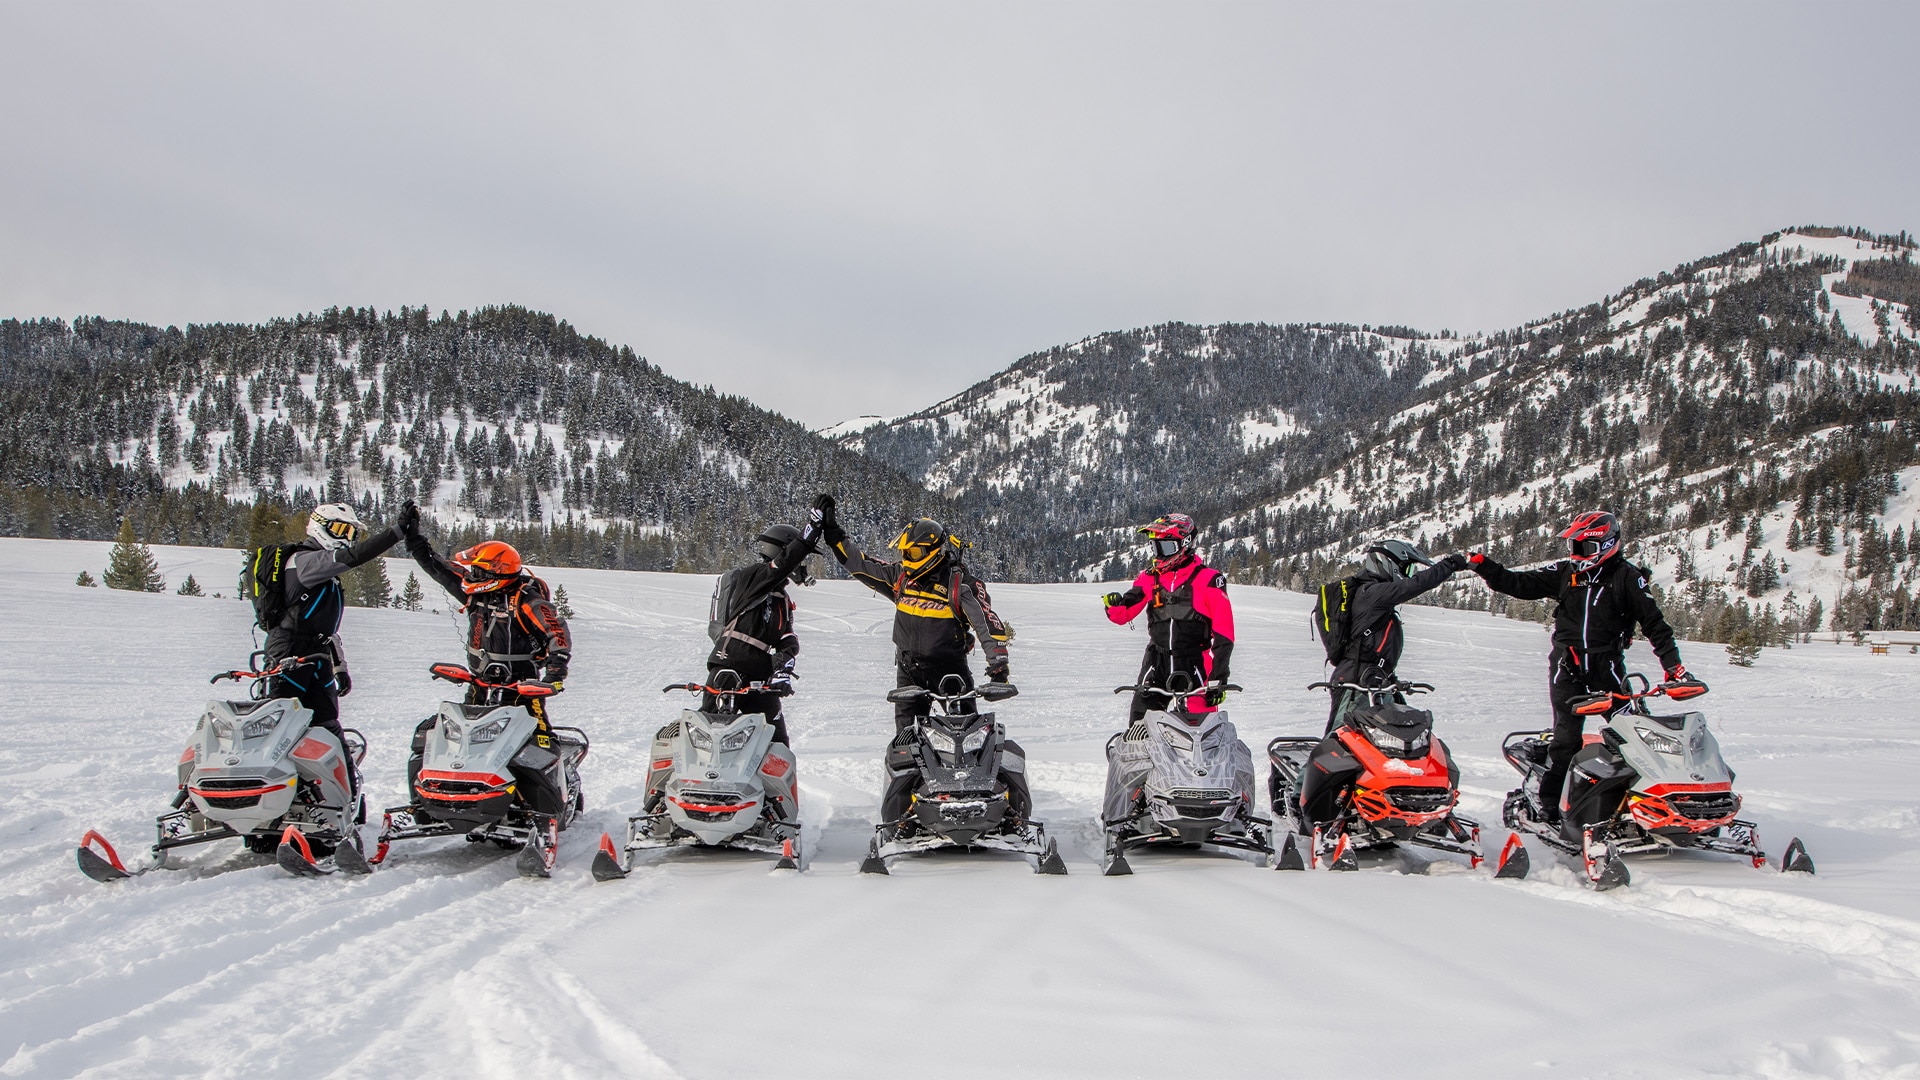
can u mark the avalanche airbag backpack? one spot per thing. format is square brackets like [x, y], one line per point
[1332, 617]
[263, 582]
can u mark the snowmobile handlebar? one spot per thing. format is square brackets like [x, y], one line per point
[1398, 686]
[992, 691]
[1604, 703]
[457, 673]
[1198, 691]
[776, 688]
[290, 663]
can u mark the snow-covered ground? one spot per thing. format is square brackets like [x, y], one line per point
[445, 963]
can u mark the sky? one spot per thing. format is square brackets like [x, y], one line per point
[842, 209]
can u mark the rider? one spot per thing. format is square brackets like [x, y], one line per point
[313, 603]
[511, 623]
[753, 637]
[940, 611]
[1189, 619]
[1601, 599]
[1388, 578]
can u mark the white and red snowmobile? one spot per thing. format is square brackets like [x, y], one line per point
[491, 774]
[1382, 779]
[717, 779]
[1179, 779]
[1644, 783]
[257, 770]
[959, 759]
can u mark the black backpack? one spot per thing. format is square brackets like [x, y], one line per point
[728, 608]
[1332, 617]
[263, 581]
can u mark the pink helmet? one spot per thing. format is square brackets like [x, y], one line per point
[1172, 535]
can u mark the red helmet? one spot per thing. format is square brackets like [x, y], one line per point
[489, 565]
[1171, 534]
[1592, 538]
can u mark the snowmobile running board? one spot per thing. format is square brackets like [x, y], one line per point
[1031, 840]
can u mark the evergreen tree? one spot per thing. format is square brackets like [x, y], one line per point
[1742, 650]
[130, 565]
[85, 581]
[1823, 543]
[561, 604]
[189, 587]
[411, 598]
[368, 586]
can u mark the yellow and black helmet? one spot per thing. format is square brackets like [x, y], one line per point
[923, 544]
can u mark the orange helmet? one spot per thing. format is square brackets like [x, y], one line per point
[490, 565]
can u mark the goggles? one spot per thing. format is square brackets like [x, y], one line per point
[1167, 549]
[480, 572]
[344, 530]
[1587, 548]
[918, 552]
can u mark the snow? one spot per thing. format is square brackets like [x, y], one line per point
[445, 963]
[854, 426]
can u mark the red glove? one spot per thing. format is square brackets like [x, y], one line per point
[1676, 672]
[1477, 558]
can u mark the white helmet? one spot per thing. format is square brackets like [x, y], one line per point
[335, 525]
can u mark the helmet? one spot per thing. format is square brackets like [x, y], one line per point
[1592, 538]
[1171, 534]
[489, 564]
[923, 545]
[335, 525]
[773, 541]
[1389, 559]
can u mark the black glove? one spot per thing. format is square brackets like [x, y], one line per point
[822, 513]
[1215, 697]
[408, 523]
[1456, 562]
[556, 671]
[997, 672]
[1112, 599]
[342, 682]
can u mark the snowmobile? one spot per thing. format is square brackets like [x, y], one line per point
[717, 780]
[1401, 786]
[1179, 778]
[960, 800]
[489, 774]
[257, 770]
[1644, 783]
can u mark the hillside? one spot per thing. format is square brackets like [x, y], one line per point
[501, 420]
[1764, 397]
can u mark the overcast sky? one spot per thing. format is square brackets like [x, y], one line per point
[845, 209]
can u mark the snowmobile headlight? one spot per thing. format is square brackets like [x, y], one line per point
[1419, 744]
[1661, 744]
[488, 731]
[1387, 740]
[974, 741]
[941, 741]
[737, 740]
[1180, 739]
[254, 729]
[222, 727]
[451, 730]
[701, 738]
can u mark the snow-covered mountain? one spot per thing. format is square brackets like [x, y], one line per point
[1765, 395]
[500, 420]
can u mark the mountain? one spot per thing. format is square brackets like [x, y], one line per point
[500, 421]
[1765, 395]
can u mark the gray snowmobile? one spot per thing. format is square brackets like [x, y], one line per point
[717, 780]
[257, 770]
[1179, 779]
[960, 798]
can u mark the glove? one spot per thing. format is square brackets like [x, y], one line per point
[1456, 562]
[342, 682]
[1676, 673]
[1112, 599]
[781, 681]
[1476, 559]
[408, 523]
[556, 671]
[1215, 697]
[997, 672]
[822, 513]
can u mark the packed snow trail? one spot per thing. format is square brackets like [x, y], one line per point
[447, 963]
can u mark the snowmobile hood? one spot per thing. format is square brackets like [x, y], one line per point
[1670, 752]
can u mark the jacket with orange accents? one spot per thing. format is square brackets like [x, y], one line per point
[516, 626]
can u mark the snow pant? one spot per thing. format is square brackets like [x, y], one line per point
[767, 705]
[926, 673]
[319, 693]
[1570, 680]
[1330, 770]
[1158, 666]
[1342, 700]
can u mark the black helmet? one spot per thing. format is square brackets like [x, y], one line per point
[923, 545]
[1389, 559]
[774, 540]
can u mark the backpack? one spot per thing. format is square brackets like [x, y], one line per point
[263, 581]
[726, 598]
[1332, 617]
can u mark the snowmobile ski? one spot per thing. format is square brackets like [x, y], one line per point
[1796, 860]
[295, 855]
[789, 858]
[1290, 855]
[873, 863]
[1514, 862]
[609, 863]
[1050, 862]
[105, 864]
[537, 858]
